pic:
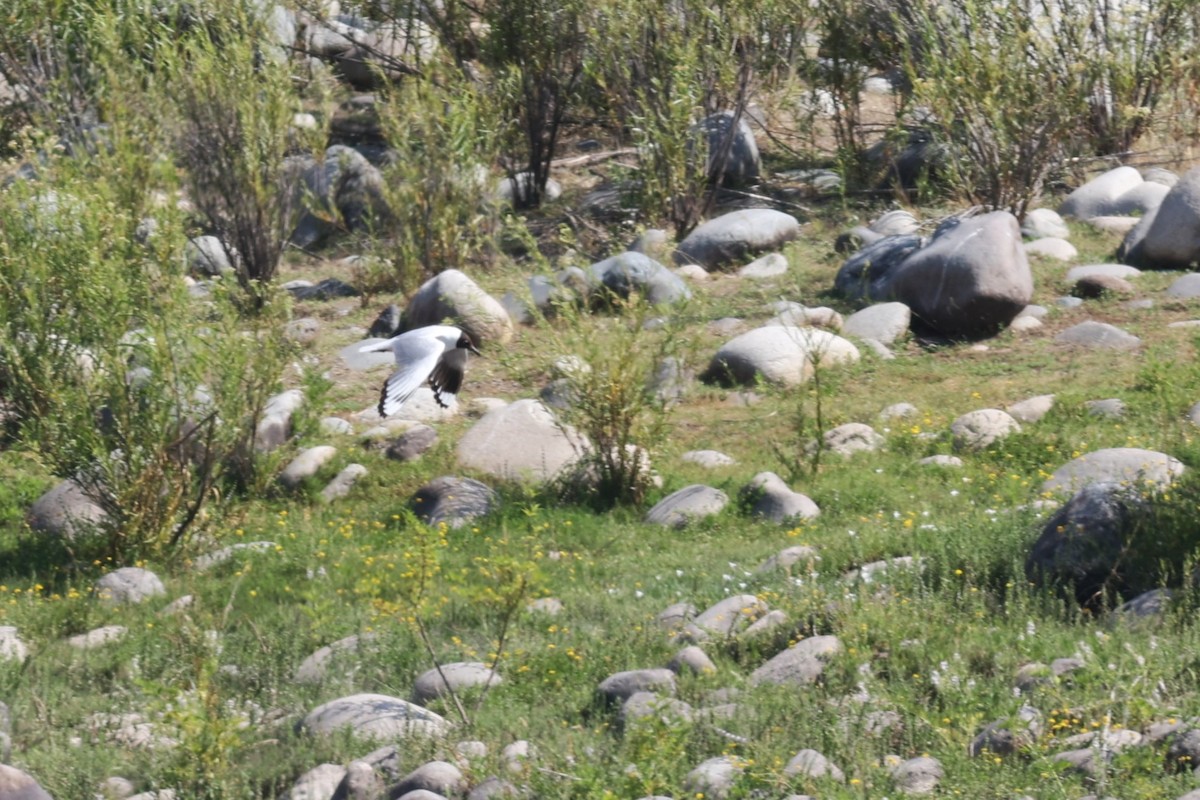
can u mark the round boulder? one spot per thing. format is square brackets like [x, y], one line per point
[521, 440]
[976, 430]
[733, 237]
[452, 295]
[781, 354]
[456, 678]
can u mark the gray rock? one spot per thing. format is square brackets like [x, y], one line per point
[733, 237]
[457, 678]
[412, 443]
[275, 427]
[729, 616]
[341, 191]
[1161, 175]
[809, 763]
[1051, 247]
[654, 242]
[624, 274]
[952, 462]
[862, 277]
[343, 482]
[207, 561]
[18, 785]
[1098, 336]
[453, 501]
[439, 777]
[66, 511]
[772, 621]
[780, 354]
[207, 257]
[302, 331]
[116, 788]
[1115, 224]
[319, 783]
[1148, 606]
[11, 649]
[387, 324]
[681, 508]
[452, 295]
[899, 411]
[713, 778]
[919, 775]
[1183, 753]
[620, 686]
[493, 787]
[1167, 237]
[883, 322]
[1086, 761]
[1129, 466]
[768, 496]
[98, 637]
[1122, 271]
[1185, 286]
[772, 265]
[1141, 199]
[335, 426]
[896, 222]
[799, 665]
[798, 316]
[1098, 197]
[362, 782]
[741, 161]
[128, 585]
[643, 706]
[1112, 408]
[713, 459]
[788, 557]
[306, 465]
[1041, 223]
[315, 669]
[693, 660]
[851, 438]
[1091, 287]
[676, 616]
[1004, 737]
[521, 441]
[374, 716]
[1031, 409]
[1025, 324]
[977, 430]
[326, 289]
[1068, 302]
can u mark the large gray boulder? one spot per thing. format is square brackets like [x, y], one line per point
[970, 281]
[801, 664]
[632, 272]
[883, 322]
[1098, 197]
[131, 585]
[67, 510]
[342, 191]
[729, 239]
[18, 785]
[860, 276]
[456, 678]
[732, 153]
[453, 501]
[452, 295]
[374, 716]
[521, 440]
[681, 508]
[768, 496]
[781, 354]
[1169, 237]
[1128, 466]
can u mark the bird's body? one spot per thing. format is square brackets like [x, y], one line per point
[435, 353]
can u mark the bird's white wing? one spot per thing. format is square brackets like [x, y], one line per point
[417, 359]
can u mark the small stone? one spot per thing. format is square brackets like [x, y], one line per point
[691, 659]
[131, 585]
[812, 764]
[441, 777]
[456, 678]
[343, 482]
[788, 557]
[899, 411]
[411, 444]
[687, 505]
[772, 265]
[11, 649]
[711, 459]
[1032, 409]
[1098, 336]
[1052, 247]
[951, 462]
[620, 686]
[918, 775]
[98, 637]
[1112, 408]
[306, 465]
[976, 430]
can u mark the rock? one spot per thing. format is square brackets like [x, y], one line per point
[732, 154]
[1091, 287]
[1098, 197]
[786, 558]
[1129, 466]
[326, 289]
[315, 668]
[1031, 409]
[387, 324]
[343, 482]
[681, 508]
[1186, 286]
[851, 438]
[798, 316]
[1148, 606]
[862, 276]
[1183, 753]
[799, 665]
[919, 775]
[275, 427]
[457, 678]
[98, 637]
[319, 783]
[952, 462]
[643, 706]
[493, 787]
[780, 354]
[620, 686]
[550, 606]
[811, 764]
[773, 620]
[883, 322]
[896, 222]
[713, 779]
[306, 465]
[1025, 324]
[970, 281]
[1141, 199]
[452, 295]
[207, 257]
[412, 443]
[731, 615]
[733, 237]
[693, 660]
[128, 585]
[1098, 336]
[374, 716]
[1107, 270]
[768, 496]
[335, 426]
[772, 265]
[207, 561]
[675, 617]
[440, 777]
[976, 430]
[521, 441]
[1112, 408]
[1114, 224]
[654, 242]
[115, 788]
[361, 783]
[453, 501]
[342, 191]
[1050, 247]
[624, 274]
[875, 570]
[66, 511]
[18, 785]
[517, 190]
[1042, 223]
[1167, 237]
[1004, 737]
[899, 411]
[713, 459]
[11, 649]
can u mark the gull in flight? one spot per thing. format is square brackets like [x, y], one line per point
[435, 353]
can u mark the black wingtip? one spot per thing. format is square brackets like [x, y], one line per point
[382, 400]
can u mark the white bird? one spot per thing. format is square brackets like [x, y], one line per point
[435, 353]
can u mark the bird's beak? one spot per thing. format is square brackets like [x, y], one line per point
[472, 348]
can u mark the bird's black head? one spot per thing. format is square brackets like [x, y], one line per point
[465, 343]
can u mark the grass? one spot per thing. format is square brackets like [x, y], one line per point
[938, 649]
